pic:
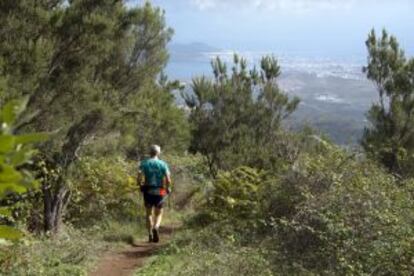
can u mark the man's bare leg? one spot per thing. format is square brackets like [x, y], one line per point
[158, 217]
[157, 222]
[149, 219]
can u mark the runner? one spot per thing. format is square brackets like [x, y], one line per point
[155, 181]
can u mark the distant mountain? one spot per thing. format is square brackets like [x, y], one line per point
[184, 52]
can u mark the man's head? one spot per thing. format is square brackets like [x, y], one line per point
[155, 150]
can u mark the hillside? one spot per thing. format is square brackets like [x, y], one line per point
[112, 163]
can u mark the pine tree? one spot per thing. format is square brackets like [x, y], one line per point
[236, 117]
[390, 136]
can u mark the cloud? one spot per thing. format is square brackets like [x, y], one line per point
[292, 5]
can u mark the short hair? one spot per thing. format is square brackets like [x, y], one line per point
[154, 150]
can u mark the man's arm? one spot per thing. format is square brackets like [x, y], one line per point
[168, 179]
[168, 182]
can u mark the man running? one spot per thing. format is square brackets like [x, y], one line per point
[154, 180]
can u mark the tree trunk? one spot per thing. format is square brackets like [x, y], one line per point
[54, 207]
[56, 195]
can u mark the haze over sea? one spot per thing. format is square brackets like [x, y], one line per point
[191, 60]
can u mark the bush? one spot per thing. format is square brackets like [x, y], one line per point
[188, 177]
[103, 187]
[331, 213]
[343, 216]
[235, 194]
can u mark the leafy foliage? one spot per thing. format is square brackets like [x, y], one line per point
[329, 213]
[345, 216]
[156, 120]
[103, 188]
[235, 194]
[89, 69]
[15, 151]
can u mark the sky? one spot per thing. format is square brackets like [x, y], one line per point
[305, 27]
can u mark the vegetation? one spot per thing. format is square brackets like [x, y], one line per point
[234, 116]
[330, 213]
[74, 252]
[390, 138]
[256, 198]
[14, 153]
[89, 70]
[321, 211]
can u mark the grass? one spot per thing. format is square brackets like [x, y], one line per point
[201, 251]
[73, 252]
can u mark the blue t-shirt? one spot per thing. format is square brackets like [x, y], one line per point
[155, 171]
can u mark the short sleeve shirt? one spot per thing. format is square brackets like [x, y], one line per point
[155, 171]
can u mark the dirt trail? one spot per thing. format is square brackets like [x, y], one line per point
[126, 261]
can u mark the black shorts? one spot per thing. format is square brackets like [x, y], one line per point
[151, 200]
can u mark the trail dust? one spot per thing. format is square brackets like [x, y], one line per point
[126, 261]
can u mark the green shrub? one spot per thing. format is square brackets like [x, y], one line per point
[188, 178]
[331, 212]
[235, 194]
[344, 217]
[103, 187]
